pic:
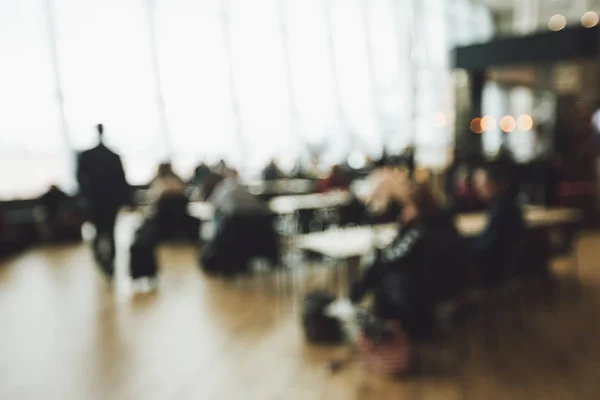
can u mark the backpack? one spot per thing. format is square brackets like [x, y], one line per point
[318, 327]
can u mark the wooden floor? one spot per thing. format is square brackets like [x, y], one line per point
[65, 334]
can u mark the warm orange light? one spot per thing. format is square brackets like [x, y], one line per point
[440, 120]
[590, 19]
[557, 22]
[508, 123]
[476, 126]
[525, 122]
[488, 123]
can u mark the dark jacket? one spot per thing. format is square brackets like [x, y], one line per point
[492, 249]
[426, 264]
[101, 178]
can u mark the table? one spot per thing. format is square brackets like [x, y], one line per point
[281, 205]
[282, 187]
[535, 217]
[351, 244]
[290, 204]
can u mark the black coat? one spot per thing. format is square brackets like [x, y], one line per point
[426, 264]
[494, 246]
[101, 178]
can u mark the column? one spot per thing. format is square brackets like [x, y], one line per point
[50, 19]
[377, 115]
[235, 102]
[293, 105]
[342, 123]
[162, 115]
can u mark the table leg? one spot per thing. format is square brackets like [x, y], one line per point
[352, 273]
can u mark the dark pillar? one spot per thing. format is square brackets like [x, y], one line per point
[476, 83]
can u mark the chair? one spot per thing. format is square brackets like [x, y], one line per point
[562, 240]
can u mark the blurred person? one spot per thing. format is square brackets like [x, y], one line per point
[171, 206]
[271, 172]
[244, 230]
[426, 264]
[104, 189]
[337, 179]
[465, 197]
[505, 227]
[542, 172]
[166, 182]
[408, 159]
[200, 174]
[58, 216]
[230, 197]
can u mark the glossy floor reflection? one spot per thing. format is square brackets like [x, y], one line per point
[66, 335]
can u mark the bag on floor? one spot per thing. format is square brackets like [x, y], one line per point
[318, 327]
[142, 262]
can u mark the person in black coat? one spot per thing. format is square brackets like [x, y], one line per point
[426, 264]
[271, 172]
[505, 228]
[104, 188]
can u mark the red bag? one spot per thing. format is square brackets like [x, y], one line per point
[386, 357]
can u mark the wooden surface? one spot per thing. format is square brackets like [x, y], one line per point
[66, 335]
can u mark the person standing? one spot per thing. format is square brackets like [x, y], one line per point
[104, 189]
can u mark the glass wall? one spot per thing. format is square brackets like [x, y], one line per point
[192, 80]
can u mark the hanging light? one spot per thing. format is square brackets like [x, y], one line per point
[590, 19]
[476, 126]
[488, 123]
[525, 122]
[508, 123]
[557, 22]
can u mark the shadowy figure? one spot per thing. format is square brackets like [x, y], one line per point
[271, 172]
[59, 217]
[337, 179]
[104, 189]
[505, 228]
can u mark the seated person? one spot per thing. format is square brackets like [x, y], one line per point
[200, 174]
[231, 198]
[336, 180]
[422, 267]
[244, 230]
[465, 196]
[166, 183]
[271, 172]
[58, 215]
[505, 227]
[170, 211]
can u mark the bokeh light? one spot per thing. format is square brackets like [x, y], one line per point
[508, 123]
[557, 22]
[525, 122]
[590, 19]
[488, 123]
[476, 126]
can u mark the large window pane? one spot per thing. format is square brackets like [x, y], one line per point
[194, 71]
[258, 64]
[107, 74]
[33, 151]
